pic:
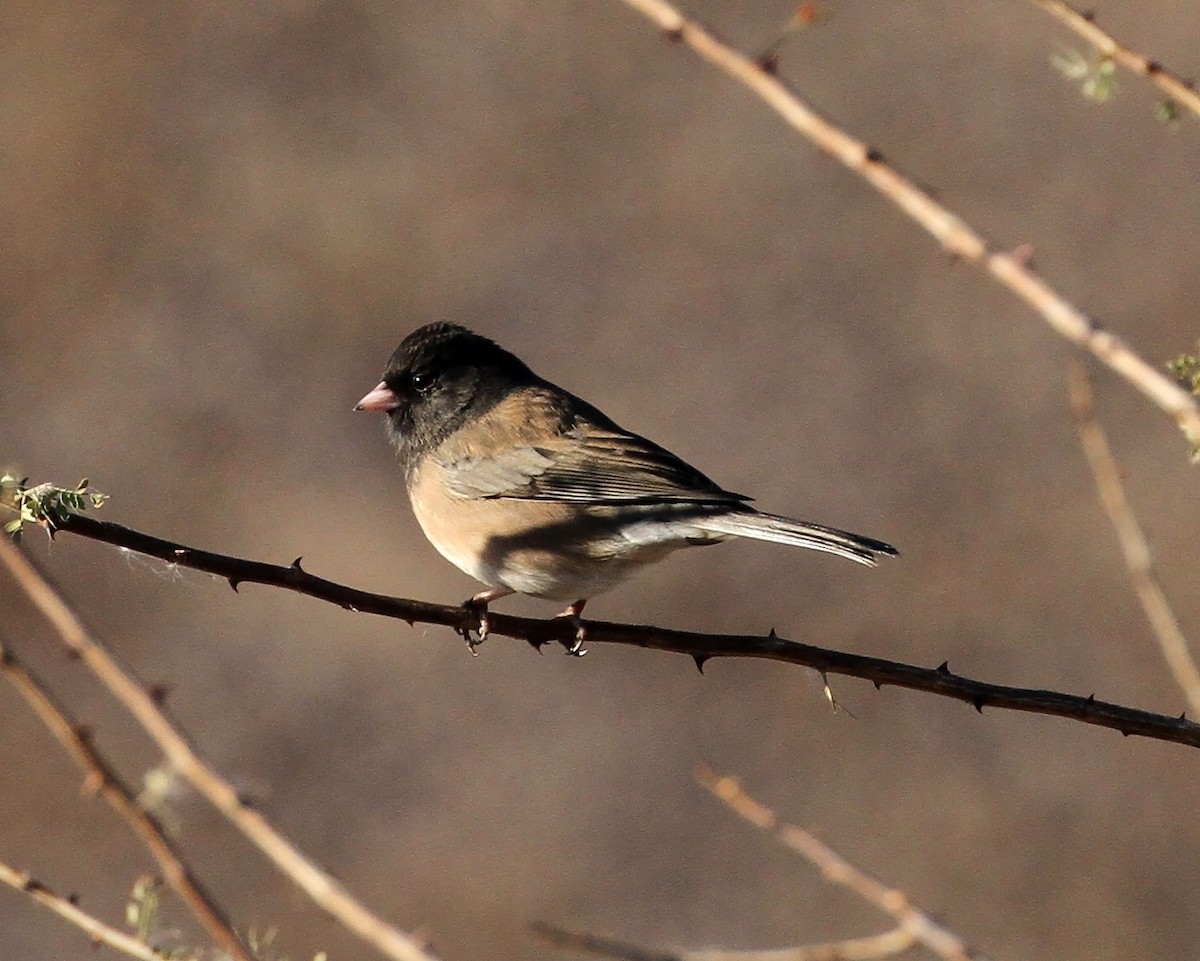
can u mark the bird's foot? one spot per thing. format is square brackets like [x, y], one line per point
[575, 647]
[475, 634]
[478, 605]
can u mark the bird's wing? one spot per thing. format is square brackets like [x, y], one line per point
[573, 454]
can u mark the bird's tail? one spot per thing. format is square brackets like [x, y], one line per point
[784, 530]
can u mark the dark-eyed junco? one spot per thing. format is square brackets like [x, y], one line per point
[531, 490]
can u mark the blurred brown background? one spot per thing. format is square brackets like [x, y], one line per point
[219, 218]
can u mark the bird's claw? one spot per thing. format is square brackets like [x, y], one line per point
[575, 647]
[482, 625]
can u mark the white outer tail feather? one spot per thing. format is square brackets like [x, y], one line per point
[784, 530]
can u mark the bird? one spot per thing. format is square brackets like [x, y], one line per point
[531, 490]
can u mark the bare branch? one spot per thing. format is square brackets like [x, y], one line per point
[1011, 269]
[598, 944]
[103, 780]
[65, 908]
[851, 949]
[1134, 547]
[701, 647]
[867, 948]
[837, 870]
[317, 883]
[1183, 92]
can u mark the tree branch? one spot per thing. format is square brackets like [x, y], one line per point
[606, 947]
[1084, 25]
[65, 908]
[1010, 269]
[851, 949]
[837, 870]
[702, 647]
[103, 780]
[913, 925]
[1135, 549]
[324, 890]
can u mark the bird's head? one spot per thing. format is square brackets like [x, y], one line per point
[440, 376]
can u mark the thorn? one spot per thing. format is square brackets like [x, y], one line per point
[296, 564]
[944, 669]
[768, 63]
[158, 694]
[674, 34]
[700, 659]
[873, 155]
[409, 622]
[1124, 734]
[234, 582]
[1183, 715]
[1022, 255]
[73, 898]
[1091, 699]
[878, 685]
[74, 654]
[771, 634]
[536, 644]
[833, 701]
[978, 702]
[245, 799]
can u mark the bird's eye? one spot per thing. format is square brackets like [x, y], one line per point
[421, 382]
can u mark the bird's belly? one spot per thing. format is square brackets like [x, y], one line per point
[541, 548]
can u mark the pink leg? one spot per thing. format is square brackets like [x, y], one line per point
[572, 613]
[479, 604]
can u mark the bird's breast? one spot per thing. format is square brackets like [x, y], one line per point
[551, 549]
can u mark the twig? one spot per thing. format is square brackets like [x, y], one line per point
[103, 780]
[317, 883]
[851, 949]
[1134, 547]
[1183, 92]
[1010, 269]
[837, 870]
[867, 948]
[598, 944]
[701, 647]
[97, 930]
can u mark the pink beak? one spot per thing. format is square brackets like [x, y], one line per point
[381, 399]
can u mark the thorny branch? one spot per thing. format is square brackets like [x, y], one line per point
[913, 926]
[67, 909]
[1182, 92]
[837, 870]
[322, 887]
[851, 949]
[701, 647]
[1011, 269]
[1135, 549]
[102, 779]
